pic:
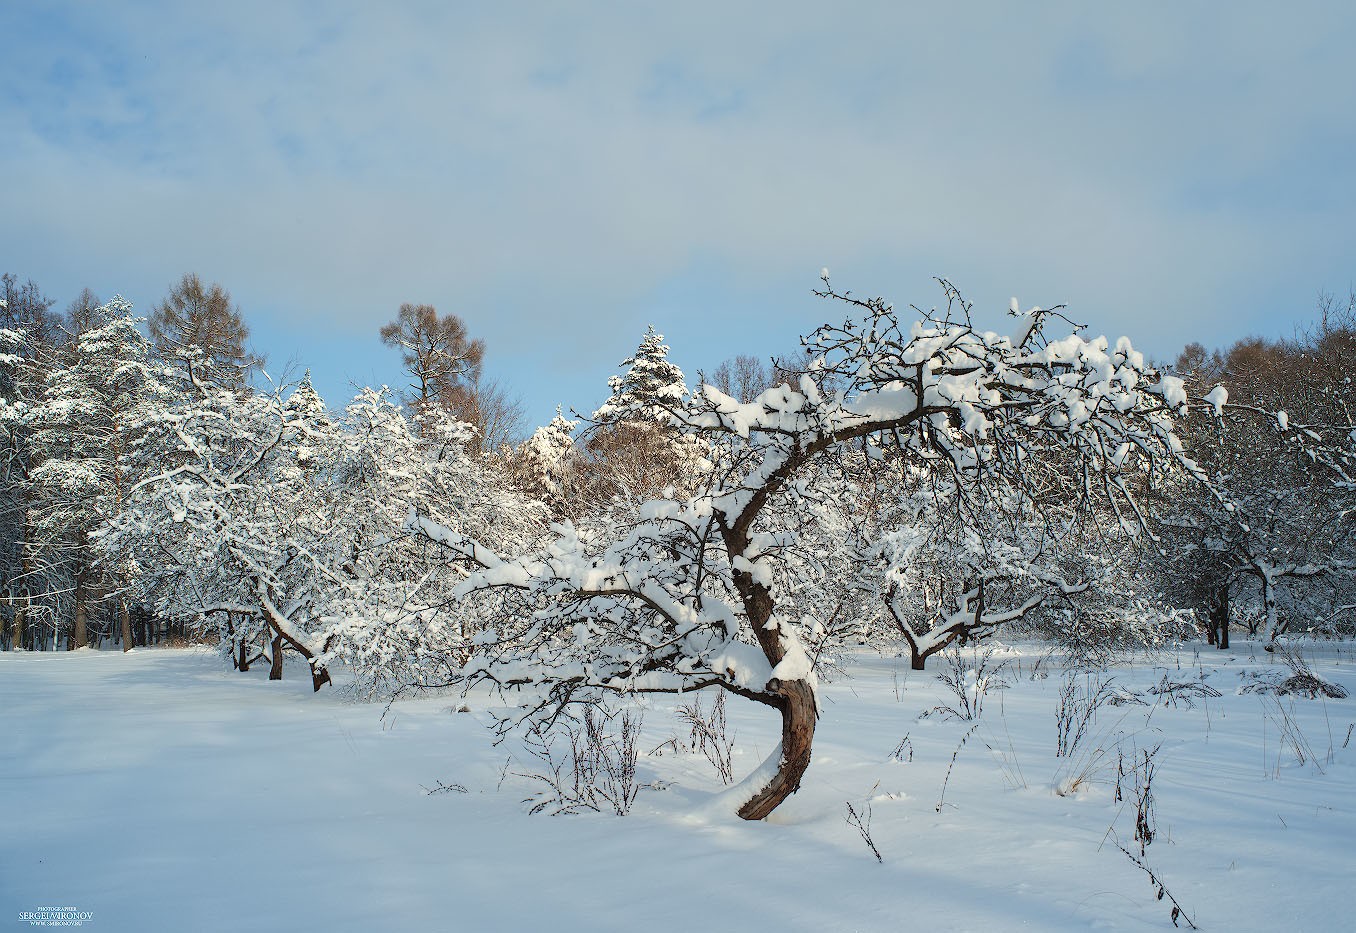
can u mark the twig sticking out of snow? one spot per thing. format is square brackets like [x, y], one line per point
[1184, 692]
[862, 820]
[1177, 912]
[595, 769]
[965, 738]
[710, 734]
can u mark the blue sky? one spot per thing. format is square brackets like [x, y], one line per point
[561, 175]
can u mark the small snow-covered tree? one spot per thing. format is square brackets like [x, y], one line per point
[691, 593]
[650, 385]
[950, 573]
[634, 451]
[544, 466]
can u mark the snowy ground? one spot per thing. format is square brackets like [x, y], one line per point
[159, 791]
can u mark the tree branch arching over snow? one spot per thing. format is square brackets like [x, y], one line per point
[686, 595]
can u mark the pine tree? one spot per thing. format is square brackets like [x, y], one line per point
[544, 466]
[650, 384]
[98, 405]
[28, 331]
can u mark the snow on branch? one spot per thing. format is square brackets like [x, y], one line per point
[686, 592]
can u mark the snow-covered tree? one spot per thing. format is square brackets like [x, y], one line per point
[99, 404]
[950, 573]
[1285, 456]
[28, 332]
[223, 534]
[650, 385]
[545, 465]
[279, 527]
[391, 621]
[634, 452]
[692, 592]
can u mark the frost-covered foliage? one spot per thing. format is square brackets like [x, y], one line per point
[695, 591]
[25, 329]
[98, 411]
[279, 528]
[648, 387]
[950, 572]
[545, 467]
[396, 627]
[633, 451]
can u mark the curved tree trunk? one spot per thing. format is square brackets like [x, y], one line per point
[798, 732]
[918, 658]
[795, 698]
[796, 692]
[282, 633]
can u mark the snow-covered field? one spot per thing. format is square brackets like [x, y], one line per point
[159, 791]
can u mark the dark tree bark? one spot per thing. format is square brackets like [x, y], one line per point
[798, 732]
[794, 698]
[918, 658]
[1221, 622]
[319, 676]
[243, 661]
[80, 630]
[125, 619]
[20, 614]
[275, 672]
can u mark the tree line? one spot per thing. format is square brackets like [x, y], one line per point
[909, 481]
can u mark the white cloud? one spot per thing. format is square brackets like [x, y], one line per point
[546, 170]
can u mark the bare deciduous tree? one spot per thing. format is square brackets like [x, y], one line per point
[496, 414]
[1284, 542]
[198, 326]
[744, 377]
[436, 352]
